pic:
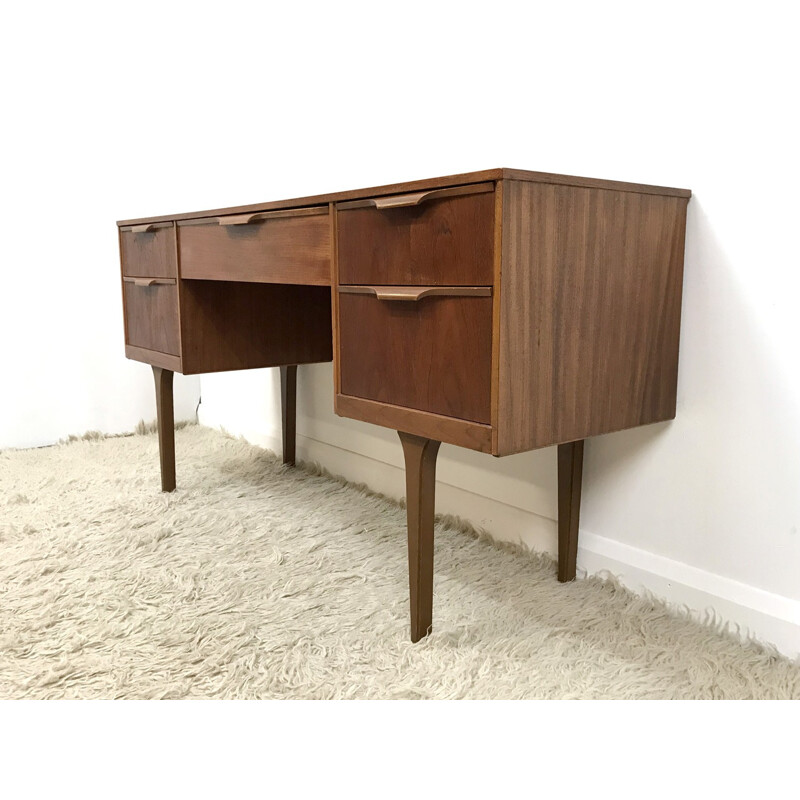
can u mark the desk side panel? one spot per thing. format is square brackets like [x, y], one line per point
[590, 312]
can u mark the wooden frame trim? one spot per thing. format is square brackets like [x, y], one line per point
[461, 432]
[122, 286]
[592, 183]
[494, 402]
[153, 357]
[337, 378]
[180, 291]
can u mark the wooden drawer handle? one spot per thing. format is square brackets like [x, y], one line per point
[144, 228]
[401, 200]
[415, 293]
[260, 216]
[143, 282]
[240, 219]
[416, 198]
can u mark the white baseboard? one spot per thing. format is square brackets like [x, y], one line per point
[748, 611]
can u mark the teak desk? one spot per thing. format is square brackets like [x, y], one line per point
[500, 311]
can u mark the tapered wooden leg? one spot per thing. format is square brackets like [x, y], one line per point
[289, 411]
[570, 476]
[166, 427]
[420, 457]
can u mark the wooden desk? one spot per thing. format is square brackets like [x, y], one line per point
[500, 311]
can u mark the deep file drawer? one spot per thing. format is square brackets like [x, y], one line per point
[148, 251]
[424, 348]
[441, 237]
[288, 246]
[151, 314]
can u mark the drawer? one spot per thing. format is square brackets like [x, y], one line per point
[151, 314]
[425, 348]
[292, 246]
[148, 251]
[443, 237]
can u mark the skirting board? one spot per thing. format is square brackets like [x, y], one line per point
[745, 610]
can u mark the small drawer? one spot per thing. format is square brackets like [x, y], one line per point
[148, 250]
[426, 348]
[292, 246]
[442, 237]
[151, 314]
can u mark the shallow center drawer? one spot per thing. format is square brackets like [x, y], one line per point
[291, 246]
[438, 237]
[431, 352]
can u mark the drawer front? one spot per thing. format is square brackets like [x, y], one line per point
[432, 354]
[275, 247]
[151, 315]
[148, 251]
[443, 237]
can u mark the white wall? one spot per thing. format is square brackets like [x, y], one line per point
[119, 117]
[72, 164]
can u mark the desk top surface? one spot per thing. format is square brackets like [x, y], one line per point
[421, 185]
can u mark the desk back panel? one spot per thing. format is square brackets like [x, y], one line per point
[227, 325]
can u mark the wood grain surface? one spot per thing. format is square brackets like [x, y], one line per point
[420, 460]
[570, 480]
[153, 358]
[289, 412]
[433, 355]
[281, 249]
[152, 317]
[165, 418]
[590, 312]
[444, 241]
[462, 433]
[149, 255]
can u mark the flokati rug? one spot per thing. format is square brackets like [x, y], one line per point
[254, 580]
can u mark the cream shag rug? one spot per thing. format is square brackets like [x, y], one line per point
[257, 581]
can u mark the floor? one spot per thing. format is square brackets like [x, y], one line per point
[254, 580]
